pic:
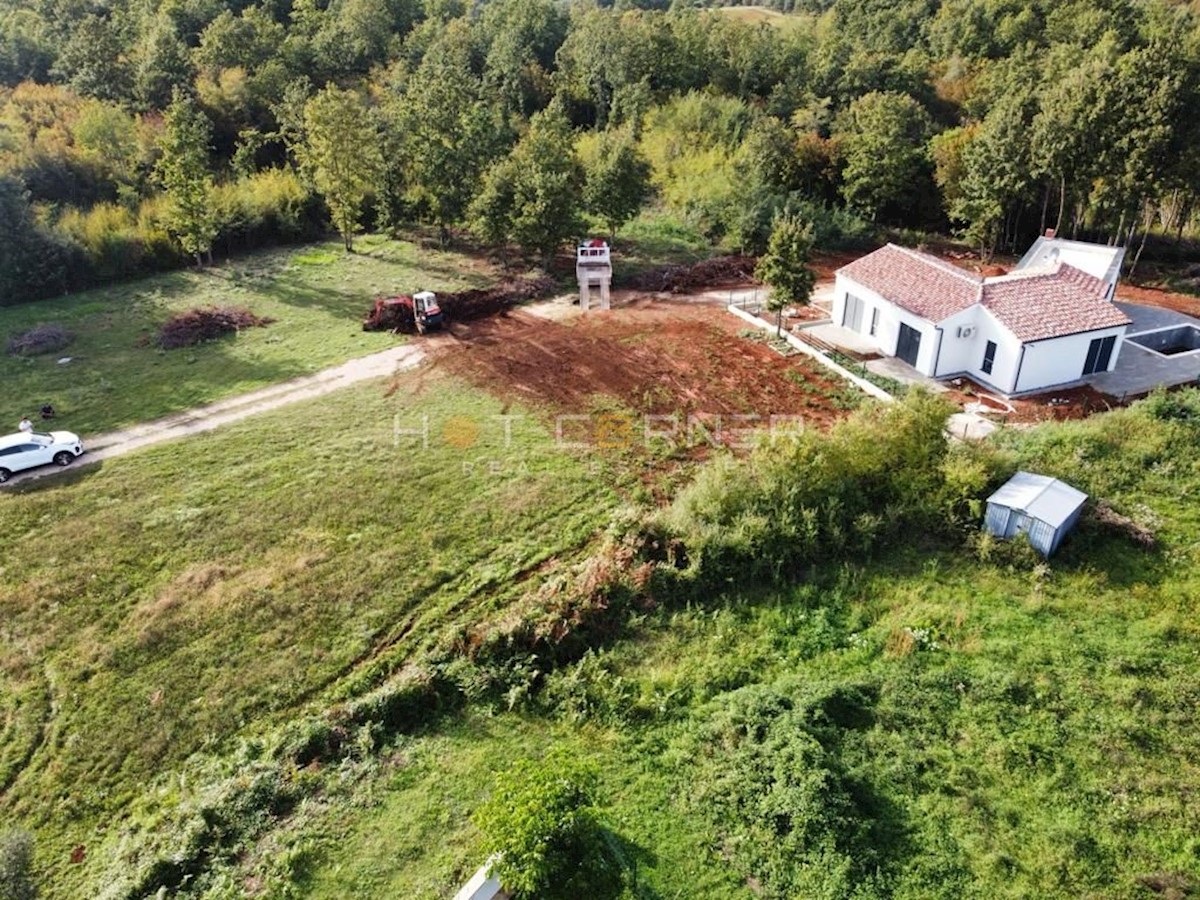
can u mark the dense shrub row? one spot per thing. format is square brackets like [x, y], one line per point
[111, 242]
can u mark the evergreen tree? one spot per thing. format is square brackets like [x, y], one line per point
[183, 172]
[341, 152]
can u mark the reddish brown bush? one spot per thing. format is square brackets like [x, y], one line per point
[199, 325]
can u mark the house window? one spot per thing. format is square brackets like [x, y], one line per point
[989, 357]
[874, 320]
[1099, 355]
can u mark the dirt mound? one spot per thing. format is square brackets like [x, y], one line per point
[462, 306]
[706, 273]
[198, 325]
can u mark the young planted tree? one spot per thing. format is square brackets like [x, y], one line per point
[618, 180]
[784, 267]
[341, 152]
[183, 172]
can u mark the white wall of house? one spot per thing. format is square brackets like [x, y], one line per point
[887, 325]
[1042, 364]
[1060, 360]
[966, 355]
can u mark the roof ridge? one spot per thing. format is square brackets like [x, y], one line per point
[942, 264]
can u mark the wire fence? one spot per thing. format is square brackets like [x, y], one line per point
[753, 302]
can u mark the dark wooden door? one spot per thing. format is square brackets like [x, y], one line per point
[908, 348]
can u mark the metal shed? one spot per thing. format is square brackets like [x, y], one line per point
[1042, 508]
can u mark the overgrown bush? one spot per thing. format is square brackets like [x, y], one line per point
[43, 338]
[198, 325]
[543, 827]
[765, 771]
[119, 243]
[34, 262]
[16, 863]
[815, 496]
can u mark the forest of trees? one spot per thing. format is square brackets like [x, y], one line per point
[143, 135]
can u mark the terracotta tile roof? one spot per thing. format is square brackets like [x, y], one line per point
[922, 284]
[1033, 304]
[1051, 303]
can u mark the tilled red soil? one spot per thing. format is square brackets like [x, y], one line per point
[652, 356]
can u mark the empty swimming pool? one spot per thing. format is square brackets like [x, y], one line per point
[1169, 341]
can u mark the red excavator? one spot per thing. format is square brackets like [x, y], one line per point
[419, 313]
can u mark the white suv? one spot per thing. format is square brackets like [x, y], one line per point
[25, 451]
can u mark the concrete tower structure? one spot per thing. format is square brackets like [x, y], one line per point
[593, 268]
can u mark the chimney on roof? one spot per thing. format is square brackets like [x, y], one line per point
[1050, 233]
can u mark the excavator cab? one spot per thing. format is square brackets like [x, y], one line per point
[426, 311]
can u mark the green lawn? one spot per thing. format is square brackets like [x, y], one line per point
[936, 718]
[318, 296]
[1003, 728]
[185, 597]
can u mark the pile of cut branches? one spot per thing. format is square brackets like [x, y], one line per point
[681, 279]
[205, 324]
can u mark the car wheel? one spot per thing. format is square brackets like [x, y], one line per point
[63, 458]
[4, 475]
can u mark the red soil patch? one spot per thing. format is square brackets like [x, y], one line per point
[1052, 406]
[654, 357]
[1149, 296]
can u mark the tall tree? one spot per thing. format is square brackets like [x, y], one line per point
[884, 144]
[341, 152]
[449, 130]
[534, 195]
[618, 180]
[182, 170]
[784, 267]
[93, 61]
[164, 64]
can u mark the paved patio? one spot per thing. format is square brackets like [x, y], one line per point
[844, 338]
[898, 369]
[1139, 370]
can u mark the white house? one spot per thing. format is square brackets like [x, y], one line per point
[1048, 323]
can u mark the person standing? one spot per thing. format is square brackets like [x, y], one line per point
[25, 426]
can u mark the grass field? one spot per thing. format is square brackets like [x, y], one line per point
[289, 657]
[1018, 729]
[171, 601]
[318, 296]
[755, 15]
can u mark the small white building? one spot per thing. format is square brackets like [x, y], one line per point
[1037, 506]
[1049, 323]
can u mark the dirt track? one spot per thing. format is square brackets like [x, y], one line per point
[205, 418]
